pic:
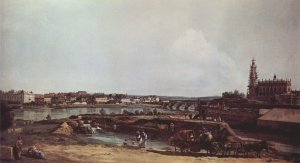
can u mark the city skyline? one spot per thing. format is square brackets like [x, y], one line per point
[178, 48]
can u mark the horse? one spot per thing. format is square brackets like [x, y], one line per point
[182, 139]
[205, 141]
[254, 146]
[227, 147]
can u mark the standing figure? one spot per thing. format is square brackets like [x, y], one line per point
[144, 137]
[172, 127]
[115, 127]
[138, 138]
[17, 149]
[48, 117]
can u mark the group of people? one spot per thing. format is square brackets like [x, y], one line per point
[33, 151]
[141, 138]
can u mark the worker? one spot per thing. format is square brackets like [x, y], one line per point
[17, 149]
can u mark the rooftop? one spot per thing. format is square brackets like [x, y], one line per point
[282, 115]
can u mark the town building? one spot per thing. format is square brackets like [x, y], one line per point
[102, 100]
[280, 118]
[126, 100]
[277, 91]
[48, 97]
[39, 99]
[17, 96]
[59, 99]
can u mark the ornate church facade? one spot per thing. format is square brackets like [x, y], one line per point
[277, 91]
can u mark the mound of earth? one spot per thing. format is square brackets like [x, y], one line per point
[64, 129]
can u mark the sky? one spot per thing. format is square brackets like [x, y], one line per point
[177, 48]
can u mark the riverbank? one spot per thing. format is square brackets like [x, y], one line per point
[79, 148]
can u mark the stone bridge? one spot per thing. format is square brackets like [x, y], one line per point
[186, 105]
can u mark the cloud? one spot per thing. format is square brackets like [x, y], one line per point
[192, 48]
[191, 66]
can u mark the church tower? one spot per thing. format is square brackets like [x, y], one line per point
[252, 81]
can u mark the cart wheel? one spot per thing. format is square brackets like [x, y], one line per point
[214, 149]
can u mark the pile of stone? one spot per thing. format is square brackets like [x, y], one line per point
[64, 129]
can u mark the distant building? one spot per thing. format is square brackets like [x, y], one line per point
[126, 100]
[79, 103]
[39, 98]
[101, 100]
[17, 97]
[165, 101]
[58, 99]
[48, 98]
[136, 100]
[150, 99]
[147, 99]
[274, 91]
[71, 98]
[82, 92]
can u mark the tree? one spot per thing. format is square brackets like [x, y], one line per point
[125, 112]
[155, 111]
[7, 117]
[150, 113]
[102, 112]
[234, 94]
[136, 112]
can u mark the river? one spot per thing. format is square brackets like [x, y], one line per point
[119, 139]
[41, 114]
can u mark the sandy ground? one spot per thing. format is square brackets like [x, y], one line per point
[77, 148]
[100, 153]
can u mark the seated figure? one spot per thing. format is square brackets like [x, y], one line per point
[35, 152]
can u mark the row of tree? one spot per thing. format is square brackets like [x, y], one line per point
[234, 94]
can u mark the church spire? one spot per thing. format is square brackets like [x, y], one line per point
[252, 80]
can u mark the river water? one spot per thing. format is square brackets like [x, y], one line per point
[119, 139]
[41, 114]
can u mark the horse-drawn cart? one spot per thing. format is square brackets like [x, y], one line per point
[190, 141]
